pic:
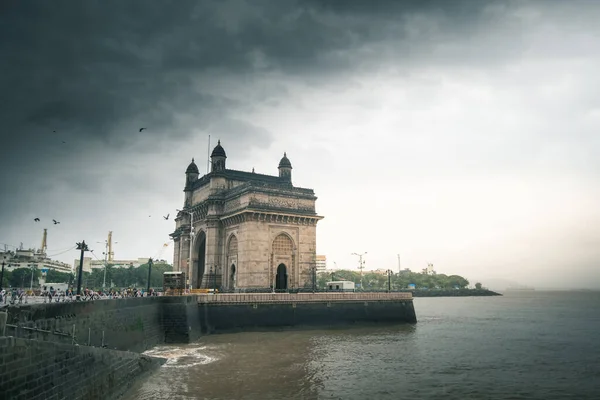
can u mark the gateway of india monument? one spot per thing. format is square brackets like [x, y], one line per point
[243, 230]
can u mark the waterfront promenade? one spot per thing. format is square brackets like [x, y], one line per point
[254, 298]
[228, 298]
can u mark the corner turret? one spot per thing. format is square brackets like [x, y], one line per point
[191, 173]
[285, 169]
[218, 158]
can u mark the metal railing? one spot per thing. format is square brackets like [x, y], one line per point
[20, 330]
[301, 297]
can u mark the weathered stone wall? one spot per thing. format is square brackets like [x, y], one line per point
[223, 317]
[36, 370]
[257, 265]
[133, 324]
[180, 320]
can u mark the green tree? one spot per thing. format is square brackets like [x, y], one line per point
[21, 277]
[7, 278]
[57, 276]
[478, 286]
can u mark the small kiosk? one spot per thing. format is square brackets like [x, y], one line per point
[173, 283]
[340, 286]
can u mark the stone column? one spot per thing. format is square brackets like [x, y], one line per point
[176, 254]
[184, 254]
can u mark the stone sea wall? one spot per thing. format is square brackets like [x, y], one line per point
[36, 370]
[133, 324]
[225, 317]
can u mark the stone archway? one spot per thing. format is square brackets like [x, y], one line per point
[282, 262]
[200, 264]
[232, 261]
[281, 278]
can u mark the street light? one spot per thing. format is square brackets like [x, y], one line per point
[32, 269]
[361, 264]
[2, 273]
[83, 247]
[105, 252]
[149, 272]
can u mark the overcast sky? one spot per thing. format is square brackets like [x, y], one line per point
[460, 133]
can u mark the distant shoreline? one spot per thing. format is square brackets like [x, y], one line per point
[454, 293]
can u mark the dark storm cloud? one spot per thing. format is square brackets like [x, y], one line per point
[97, 71]
[88, 66]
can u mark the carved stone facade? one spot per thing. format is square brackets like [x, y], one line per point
[249, 231]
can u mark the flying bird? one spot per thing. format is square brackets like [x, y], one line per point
[36, 219]
[141, 129]
[167, 217]
[55, 222]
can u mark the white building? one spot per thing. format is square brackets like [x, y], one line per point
[90, 264]
[31, 259]
[429, 270]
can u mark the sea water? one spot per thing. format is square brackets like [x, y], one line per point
[523, 345]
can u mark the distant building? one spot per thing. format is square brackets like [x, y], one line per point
[379, 271]
[90, 264]
[321, 263]
[31, 258]
[405, 271]
[429, 270]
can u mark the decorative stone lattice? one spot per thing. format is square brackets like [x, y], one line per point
[282, 245]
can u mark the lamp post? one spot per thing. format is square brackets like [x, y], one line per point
[2, 273]
[32, 269]
[149, 272]
[105, 262]
[83, 247]
[191, 214]
[389, 271]
[361, 265]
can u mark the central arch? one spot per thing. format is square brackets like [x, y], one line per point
[281, 279]
[282, 259]
[200, 266]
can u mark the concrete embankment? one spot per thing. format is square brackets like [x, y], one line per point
[36, 370]
[86, 350]
[130, 324]
[248, 311]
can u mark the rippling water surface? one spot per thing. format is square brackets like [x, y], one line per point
[524, 345]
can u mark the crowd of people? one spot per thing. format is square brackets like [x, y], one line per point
[50, 294]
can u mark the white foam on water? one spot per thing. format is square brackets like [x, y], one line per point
[182, 357]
